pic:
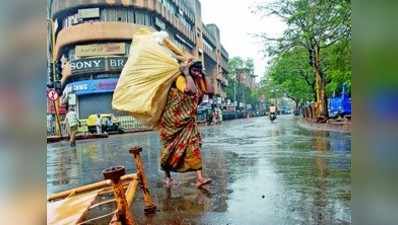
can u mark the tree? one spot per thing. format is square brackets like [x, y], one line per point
[338, 67]
[236, 90]
[234, 64]
[294, 76]
[270, 89]
[291, 76]
[314, 25]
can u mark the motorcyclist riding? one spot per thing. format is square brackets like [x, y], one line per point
[272, 112]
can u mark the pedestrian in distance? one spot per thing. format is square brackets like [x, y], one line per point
[72, 122]
[210, 116]
[50, 124]
[98, 124]
[179, 133]
[219, 115]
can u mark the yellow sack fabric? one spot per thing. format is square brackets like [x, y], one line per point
[145, 80]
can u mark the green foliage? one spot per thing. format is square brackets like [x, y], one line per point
[235, 90]
[317, 39]
[293, 75]
[338, 66]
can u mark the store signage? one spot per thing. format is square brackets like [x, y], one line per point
[97, 65]
[92, 86]
[100, 49]
[87, 65]
[116, 63]
[89, 13]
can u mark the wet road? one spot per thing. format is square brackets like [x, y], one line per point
[262, 174]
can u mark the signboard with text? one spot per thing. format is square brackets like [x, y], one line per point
[97, 65]
[92, 86]
[100, 49]
[89, 13]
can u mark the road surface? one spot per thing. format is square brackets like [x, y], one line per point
[263, 173]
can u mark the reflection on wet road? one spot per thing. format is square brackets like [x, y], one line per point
[262, 174]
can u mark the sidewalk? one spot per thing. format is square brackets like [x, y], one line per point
[344, 126]
[52, 139]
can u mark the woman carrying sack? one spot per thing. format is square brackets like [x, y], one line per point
[178, 127]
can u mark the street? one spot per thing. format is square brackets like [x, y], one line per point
[263, 173]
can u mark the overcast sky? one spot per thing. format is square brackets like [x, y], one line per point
[236, 23]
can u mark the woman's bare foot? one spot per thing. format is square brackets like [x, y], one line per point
[202, 181]
[168, 182]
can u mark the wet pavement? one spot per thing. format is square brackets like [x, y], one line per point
[263, 173]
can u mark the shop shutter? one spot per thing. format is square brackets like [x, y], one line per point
[94, 103]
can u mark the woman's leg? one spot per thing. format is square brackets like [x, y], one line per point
[200, 179]
[168, 181]
[167, 174]
[73, 137]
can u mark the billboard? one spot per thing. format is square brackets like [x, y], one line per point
[100, 49]
[91, 86]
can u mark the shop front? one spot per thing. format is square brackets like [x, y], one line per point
[92, 96]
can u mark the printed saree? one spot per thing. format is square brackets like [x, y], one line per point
[179, 133]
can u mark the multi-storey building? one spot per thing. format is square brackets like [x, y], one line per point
[93, 37]
[246, 77]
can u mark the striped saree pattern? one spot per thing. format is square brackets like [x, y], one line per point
[179, 133]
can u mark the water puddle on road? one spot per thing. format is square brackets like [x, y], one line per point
[262, 173]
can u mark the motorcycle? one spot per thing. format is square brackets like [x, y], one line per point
[272, 116]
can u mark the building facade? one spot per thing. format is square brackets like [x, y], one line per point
[246, 77]
[93, 38]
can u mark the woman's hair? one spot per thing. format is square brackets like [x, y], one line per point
[197, 64]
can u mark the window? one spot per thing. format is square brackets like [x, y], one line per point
[71, 20]
[72, 55]
[183, 41]
[185, 22]
[208, 45]
[121, 14]
[170, 6]
[160, 24]
[127, 48]
[142, 17]
[130, 15]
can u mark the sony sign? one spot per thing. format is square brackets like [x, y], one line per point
[87, 65]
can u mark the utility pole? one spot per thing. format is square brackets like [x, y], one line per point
[51, 60]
